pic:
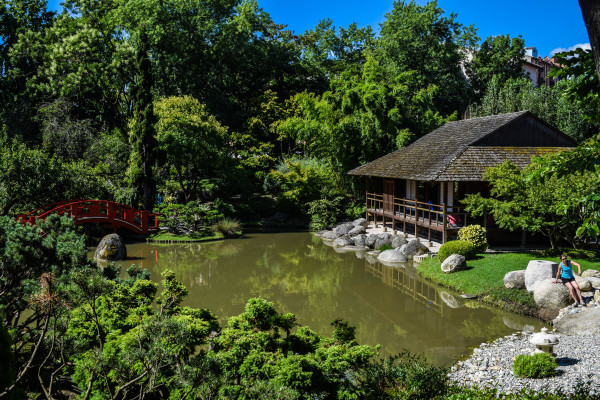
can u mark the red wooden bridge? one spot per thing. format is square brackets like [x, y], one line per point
[98, 211]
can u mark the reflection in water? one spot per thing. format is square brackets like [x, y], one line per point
[391, 306]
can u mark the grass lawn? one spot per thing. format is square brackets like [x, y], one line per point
[484, 277]
[194, 237]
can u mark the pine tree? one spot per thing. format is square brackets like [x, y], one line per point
[142, 135]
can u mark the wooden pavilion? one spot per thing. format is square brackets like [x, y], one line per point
[419, 187]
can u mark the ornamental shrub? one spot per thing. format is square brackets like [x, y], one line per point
[475, 234]
[539, 365]
[464, 248]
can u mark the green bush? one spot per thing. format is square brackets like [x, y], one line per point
[191, 217]
[539, 365]
[228, 227]
[475, 234]
[461, 247]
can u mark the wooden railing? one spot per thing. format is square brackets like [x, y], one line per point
[423, 214]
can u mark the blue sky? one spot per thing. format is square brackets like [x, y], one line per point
[548, 25]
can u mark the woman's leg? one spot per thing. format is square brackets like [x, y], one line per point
[569, 285]
[576, 286]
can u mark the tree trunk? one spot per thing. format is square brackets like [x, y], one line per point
[591, 16]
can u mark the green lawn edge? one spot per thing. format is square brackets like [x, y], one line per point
[484, 278]
[166, 237]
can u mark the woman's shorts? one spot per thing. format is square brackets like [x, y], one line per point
[565, 280]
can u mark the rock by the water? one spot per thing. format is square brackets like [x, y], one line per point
[392, 256]
[414, 248]
[552, 295]
[453, 263]
[515, 279]
[398, 241]
[343, 228]
[539, 271]
[357, 230]
[360, 240]
[343, 241]
[360, 222]
[597, 297]
[383, 239]
[111, 247]
[590, 273]
[320, 233]
[584, 324]
[370, 240]
[329, 235]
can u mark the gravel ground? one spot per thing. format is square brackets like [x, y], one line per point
[491, 363]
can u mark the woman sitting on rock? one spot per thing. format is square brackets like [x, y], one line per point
[565, 271]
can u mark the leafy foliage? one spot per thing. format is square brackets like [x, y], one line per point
[476, 235]
[539, 365]
[228, 227]
[462, 247]
[552, 208]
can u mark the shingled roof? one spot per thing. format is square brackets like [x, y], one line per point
[462, 150]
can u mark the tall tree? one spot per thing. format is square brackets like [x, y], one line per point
[591, 16]
[424, 40]
[498, 56]
[142, 134]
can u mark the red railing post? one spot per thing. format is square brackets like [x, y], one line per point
[144, 218]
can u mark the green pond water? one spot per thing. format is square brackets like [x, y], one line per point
[390, 306]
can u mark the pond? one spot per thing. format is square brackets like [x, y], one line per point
[390, 306]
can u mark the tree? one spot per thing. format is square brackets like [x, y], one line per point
[142, 136]
[193, 141]
[591, 16]
[551, 208]
[422, 40]
[20, 21]
[552, 104]
[498, 56]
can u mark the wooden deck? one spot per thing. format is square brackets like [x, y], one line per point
[403, 214]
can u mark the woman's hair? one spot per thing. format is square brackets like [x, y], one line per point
[563, 256]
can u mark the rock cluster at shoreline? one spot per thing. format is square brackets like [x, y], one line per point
[490, 365]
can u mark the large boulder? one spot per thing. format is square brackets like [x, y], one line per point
[454, 263]
[111, 247]
[594, 281]
[584, 284]
[360, 240]
[343, 241]
[551, 295]
[590, 273]
[360, 222]
[343, 228]
[392, 256]
[515, 279]
[329, 235]
[538, 271]
[370, 240]
[414, 248]
[383, 239]
[398, 241]
[357, 230]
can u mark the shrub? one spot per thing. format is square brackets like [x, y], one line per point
[457, 247]
[476, 235]
[228, 227]
[191, 217]
[539, 365]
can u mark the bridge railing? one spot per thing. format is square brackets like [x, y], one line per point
[82, 211]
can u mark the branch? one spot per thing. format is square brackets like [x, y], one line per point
[31, 358]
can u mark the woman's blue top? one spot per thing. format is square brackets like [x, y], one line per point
[567, 271]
